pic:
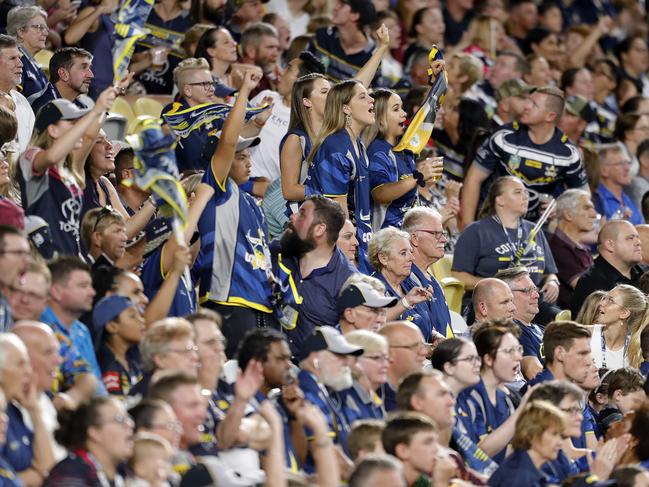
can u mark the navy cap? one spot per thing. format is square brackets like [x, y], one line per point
[107, 309]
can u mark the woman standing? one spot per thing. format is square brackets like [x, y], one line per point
[29, 26]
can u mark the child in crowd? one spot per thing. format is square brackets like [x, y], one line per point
[151, 462]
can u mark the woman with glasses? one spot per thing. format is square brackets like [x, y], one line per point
[29, 26]
[493, 407]
[99, 438]
[501, 239]
[370, 373]
[157, 417]
[623, 314]
[390, 253]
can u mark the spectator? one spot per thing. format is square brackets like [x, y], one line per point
[27, 449]
[538, 72]
[511, 97]
[492, 300]
[151, 460]
[620, 252]
[630, 475]
[427, 238]
[606, 77]
[390, 253]
[589, 312]
[103, 233]
[211, 349]
[576, 217]
[640, 184]
[260, 47]
[347, 242]
[11, 72]
[70, 297]
[523, 17]
[631, 129]
[245, 13]
[365, 439]
[118, 328]
[377, 468]
[457, 15]
[615, 174]
[70, 77]
[568, 354]
[538, 130]
[308, 256]
[544, 43]
[156, 417]
[526, 300]
[29, 26]
[634, 62]
[167, 345]
[15, 257]
[408, 352]
[217, 46]
[486, 37]
[463, 71]
[98, 436]
[578, 121]
[344, 47]
[7, 474]
[52, 189]
[427, 29]
[362, 304]
[297, 15]
[625, 389]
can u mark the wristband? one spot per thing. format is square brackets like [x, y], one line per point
[419, 177]
[406, 304]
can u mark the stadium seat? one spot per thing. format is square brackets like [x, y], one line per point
[453, 292]
[458, 324]
[115, 126]
[148, 106]
[442, 268]
[42, 58]
[564, 315]
[136, 124]
[122, 107]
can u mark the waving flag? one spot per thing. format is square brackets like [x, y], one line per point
[129, 28]
[156, 170]
[183, 121]
[421, 127]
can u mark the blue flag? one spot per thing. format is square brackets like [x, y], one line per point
[129, 28]
[182, 122]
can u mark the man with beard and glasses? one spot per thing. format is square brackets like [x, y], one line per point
[310, 268]
[324, 360]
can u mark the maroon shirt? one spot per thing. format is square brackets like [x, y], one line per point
[572, 261]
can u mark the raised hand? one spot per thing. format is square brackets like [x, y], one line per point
[249, 382]
[383, 36]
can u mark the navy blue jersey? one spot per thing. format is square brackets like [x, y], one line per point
[388, 167]
[306, 145]
[337, 171]
[518, 469]
[485, 94]
[8, 477]
[236, 268]
[440, 315]
[486, 246]
[357, 404]
[326, 46]
[388, 395]
[55, 196]
[38, 100]
[184, 301]
[191, 152]
[18, 447]
[118, 379]
[34, 79]
[452, 153]
[560, 469]
[531, 339]
[548, 168]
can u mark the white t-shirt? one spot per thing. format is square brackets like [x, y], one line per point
[297, 24]
[265, 156]
[614, 359]
[25, 117]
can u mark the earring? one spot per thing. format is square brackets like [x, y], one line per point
[348, 120]
[316, 363]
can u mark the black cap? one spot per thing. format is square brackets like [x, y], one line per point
[57, 110]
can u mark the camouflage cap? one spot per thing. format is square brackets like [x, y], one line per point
[512, 87]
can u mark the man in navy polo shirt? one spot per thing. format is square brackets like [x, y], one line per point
[310, 267]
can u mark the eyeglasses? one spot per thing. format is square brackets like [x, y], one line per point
[415, 347]
[644, 128]
[38, 27]
[29, 294]
[437, 234]
[183, 351]
[574, 411]
[607, 299]
[474, 359]
[511, 350]
[169, 426]
[377, 358]
[123, 419]
[205, 84]
[103, 213]
[527, 290]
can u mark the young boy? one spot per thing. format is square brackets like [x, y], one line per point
[118, 327]
[151, 462]
[365, 438]
[626, 389]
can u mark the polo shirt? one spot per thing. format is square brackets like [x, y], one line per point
[313, 300]
[18, 449]
[544, 376]
[439, 313]
[34, 79]
[518, 469]
[77, 350]
[560, 469]
[608, 205]
[531, 339]
[357, 403]
[388, 394]
[118, 380]
[50, 92]
[601, 276]
[572, 260]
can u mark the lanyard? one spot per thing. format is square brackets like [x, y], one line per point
[626, 344]
[519, 237]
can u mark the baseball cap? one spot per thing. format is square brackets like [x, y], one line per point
[328, 338]
[37, 231]
[56, 110]
[11, 214]
[223, 91]
[157, 233]
[512, 87]
[579, 107]
[107, 309]
[362, 293]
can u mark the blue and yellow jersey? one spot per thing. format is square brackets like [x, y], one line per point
[357, 404]
[440, 315]
[339, 66]
[236, 264]
[117, 379]
[18, 448]
[388, 167]
[34, 79]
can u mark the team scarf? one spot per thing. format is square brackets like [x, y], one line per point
[184, 121]
[129, 28]
[420, 129]
[156, 171]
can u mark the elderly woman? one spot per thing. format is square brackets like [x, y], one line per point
[390, 253]
[168, 344]
[29, 26]
[361, 401]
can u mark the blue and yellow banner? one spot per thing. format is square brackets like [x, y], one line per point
[129, 28]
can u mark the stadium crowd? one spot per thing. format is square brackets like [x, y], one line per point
[393, 269]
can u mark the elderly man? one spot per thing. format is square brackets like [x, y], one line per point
[408, 352]
[362, 304]
[576, 219]
[428, 238]
[14, 259]
[29, 292]
[492, 300]
[614, 176]
[620, 252]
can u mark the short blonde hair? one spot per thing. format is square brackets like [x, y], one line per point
[370, 341]
[534, 420]
[157, 338]
[187, 65]
[94, 222]
[382, 242]
[144, 443]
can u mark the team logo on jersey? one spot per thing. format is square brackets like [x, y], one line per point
[551, 171]
[514, 162]
[258, 259]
